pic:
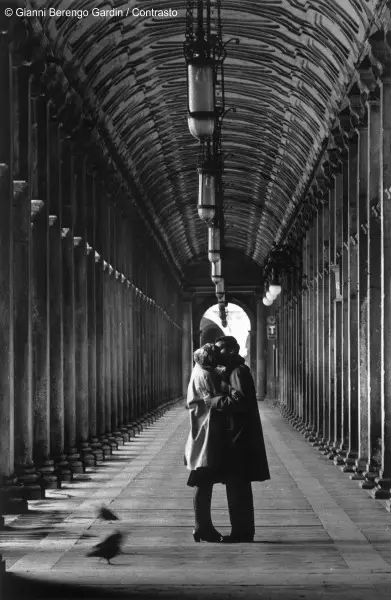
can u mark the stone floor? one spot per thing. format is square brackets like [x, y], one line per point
[318, 535]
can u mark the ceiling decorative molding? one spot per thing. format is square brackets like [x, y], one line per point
[286, 79]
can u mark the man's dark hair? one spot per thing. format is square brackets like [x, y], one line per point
[229, 341]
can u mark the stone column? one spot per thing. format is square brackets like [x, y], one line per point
[23, 414]
[384, 481]
[40, 288]
[135, 407]
[138, 353]
[149, 351]
[261, 342]
[187, 337]
[143, 308]
[345, 282]
[331, 312]
[295, 349]
[96, 447]
[81, 313]
[153, 351]
[107, 312]
[100, 306]
[291, 359]
[374, 293]
[121, 333]
[122, 343]
[68, 273]
[135, 394]
[362, 306]
[108, 321]
[352, 310]
[325, 262]
[125, 346]
[311, 337]
[281, 348]
[56, 324]
[8, 492]
[314, 326]
[24, 464]
[306, 330]
[131, 359]
[319, 323]
[338, 356]
[113, 327]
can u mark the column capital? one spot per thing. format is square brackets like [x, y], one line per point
[36, 207]
[368, 80]
[348, 122]
[335, 159]
[321, 185]
[357, 103]
[337, 141]
[380, 44]
[52, 220]
[328, 172]
[373, 99]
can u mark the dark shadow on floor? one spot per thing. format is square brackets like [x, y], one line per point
[17, 587]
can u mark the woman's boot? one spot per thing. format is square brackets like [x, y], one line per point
[204, 529]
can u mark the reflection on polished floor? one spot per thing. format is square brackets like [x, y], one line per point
[318, 535]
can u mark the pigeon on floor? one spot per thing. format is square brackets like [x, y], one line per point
[109, 548]
[106, 514]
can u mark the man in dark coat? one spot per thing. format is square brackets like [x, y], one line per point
[245, 453]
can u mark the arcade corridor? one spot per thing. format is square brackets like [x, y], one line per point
[151, 166]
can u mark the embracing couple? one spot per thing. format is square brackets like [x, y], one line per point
[225, 444]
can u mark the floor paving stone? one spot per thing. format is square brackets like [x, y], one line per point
[318, 535]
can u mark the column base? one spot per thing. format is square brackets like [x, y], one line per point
[106, 448]
[135, 427]
[96, 449]
[382, 490]
[2, 573]
[118, 437]
[138, 425]
[299, 425]
[125, 434]
[30, 479]
[340, 457]
[350, 463]
[111, 441]
[62, 469]
[318, 442]
[73, 458]
[370, 477]
[131, 430]
[327, 449]
[12, 500]
[309, 434]
[49, 478]
[86, 455]
[357, 476]
[359, 468]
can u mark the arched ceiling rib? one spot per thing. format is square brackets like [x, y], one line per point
[286, 79]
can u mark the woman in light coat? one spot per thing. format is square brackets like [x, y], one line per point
[209, 402]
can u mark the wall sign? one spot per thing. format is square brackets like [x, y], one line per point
[271, 332]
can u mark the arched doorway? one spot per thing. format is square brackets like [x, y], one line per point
[238, 325]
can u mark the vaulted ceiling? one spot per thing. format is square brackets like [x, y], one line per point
[286, 79]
